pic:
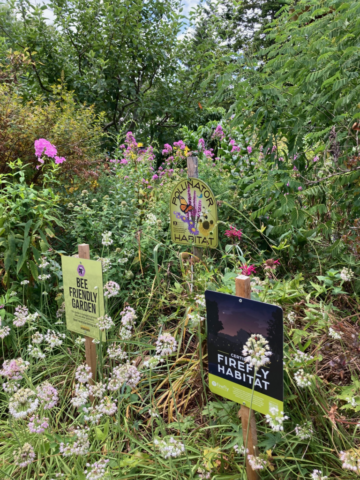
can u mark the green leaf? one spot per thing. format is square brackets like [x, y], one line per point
[34, 270]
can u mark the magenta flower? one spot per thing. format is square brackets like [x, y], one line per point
[180, 144]
[235, 149]
[273, 148]
[271, 264]
[124, 161]
[60, 160]
[316, 158]
[155, 177]
[249, 149]
[294, 168]
[299, 188]
[201, 143]
[209, 153]
[233, 233]
[218, 133]
[167, 149]
[248, 270]
[232, 142]
[41, 145]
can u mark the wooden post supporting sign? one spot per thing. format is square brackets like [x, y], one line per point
[90, 346]
[193, 172]
[243, 289]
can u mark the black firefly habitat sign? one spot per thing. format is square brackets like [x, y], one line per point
[231, 321]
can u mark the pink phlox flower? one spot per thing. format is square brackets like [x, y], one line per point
[167, 149]
[209, 153]
[126, 177]
[155, 177]
[294, 168]
[281, 159]
[273, 148]
[299, 188]
[201, 143]
[248, 269]
[60, 160]
[235, 149]
[124, 161]
[122, 146]
[249, 149]
[232, 142]
[316, 158]
[180, 144]
[41, 145]
[218, 133]
[130, 140]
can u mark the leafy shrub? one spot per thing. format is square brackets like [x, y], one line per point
[75, 130]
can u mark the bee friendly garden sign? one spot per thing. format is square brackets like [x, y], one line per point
[193, 214]
[84, 296]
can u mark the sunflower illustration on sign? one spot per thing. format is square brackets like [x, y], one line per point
[193, 214]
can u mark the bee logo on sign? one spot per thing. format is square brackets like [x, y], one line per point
[193, 214]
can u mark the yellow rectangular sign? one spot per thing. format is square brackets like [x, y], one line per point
[84, 296]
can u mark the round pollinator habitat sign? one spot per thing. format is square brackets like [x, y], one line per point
[193, 214]
[81, 270]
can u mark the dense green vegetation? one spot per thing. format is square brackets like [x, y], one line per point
[99, 110]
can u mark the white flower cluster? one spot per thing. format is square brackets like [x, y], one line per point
[115, 352]
[81, 396]
[346, 274]
[241, 450]
[60, 312]
[11, 387]
[317, 475]
[44, 276]
[104, 323]
[153, 362]
[79, 447]
[256, 283]
[92, 415]
[79, 341]
[151, 219]
[97, 390]
[111, 289]
[128, 317]
[276, 419]
[54, 339]
[351, 461]
[97, 470]
[205, 474]
[257, 351]
[195, 320]
[4, 331]
[291, 317]
[37, 338]
[166, 345]
[124, 375]
[24, 456]
[170, 448]
[302, 358]
[35, 352]
[44, 263]
[256, 463]
[304, 431]
[83, 373]
[105, 263]
[200, 300]
[21, 315]
[23, 403]
[14, 369]
[106, 240]
[24, 282]
[107, 406]
[334, 334]
[303, 379]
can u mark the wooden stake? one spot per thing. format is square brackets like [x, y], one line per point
[90, 347]
[243, 289]
[192, 171]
